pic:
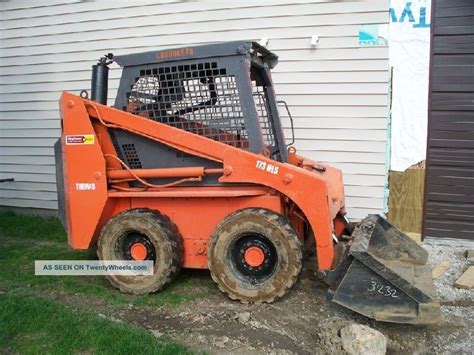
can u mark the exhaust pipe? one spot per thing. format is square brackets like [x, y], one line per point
[100, 79]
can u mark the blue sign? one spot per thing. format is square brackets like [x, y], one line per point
[369, 35]
[408, 15]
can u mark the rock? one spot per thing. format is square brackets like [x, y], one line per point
[221, 342]
[359, 339]
[243, 317]
[156, 333]
[440, 269]
[197, 318]
[256, 324]
[466, 281]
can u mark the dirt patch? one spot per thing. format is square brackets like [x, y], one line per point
[303, 322]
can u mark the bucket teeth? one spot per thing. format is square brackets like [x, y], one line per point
[386, 276]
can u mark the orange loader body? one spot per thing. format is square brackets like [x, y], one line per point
[285, 188]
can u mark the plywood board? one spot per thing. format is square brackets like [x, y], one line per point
[405, 202]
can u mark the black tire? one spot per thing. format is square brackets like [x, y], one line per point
[309, 244]
[281, 249]
[162, 241]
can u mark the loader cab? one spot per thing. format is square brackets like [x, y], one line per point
[221, 91]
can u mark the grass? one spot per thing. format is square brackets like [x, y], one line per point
[32, 322]
[32, 325]
[24, 239]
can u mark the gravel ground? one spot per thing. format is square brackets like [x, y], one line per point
[455, 254]
[457, 304]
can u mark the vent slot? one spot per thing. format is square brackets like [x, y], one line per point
[131, 156]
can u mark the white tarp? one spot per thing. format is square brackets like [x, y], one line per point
[409, 46]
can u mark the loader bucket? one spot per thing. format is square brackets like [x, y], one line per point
[385, 275]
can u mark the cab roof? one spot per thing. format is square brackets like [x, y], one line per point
[224, 49]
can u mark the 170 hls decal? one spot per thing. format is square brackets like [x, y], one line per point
[269, 168]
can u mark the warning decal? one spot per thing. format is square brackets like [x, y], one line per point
[80, 139]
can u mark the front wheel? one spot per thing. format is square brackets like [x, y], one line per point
[142, 234]
[255, 256]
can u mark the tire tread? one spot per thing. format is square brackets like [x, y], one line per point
[170, 232]
[295, 245]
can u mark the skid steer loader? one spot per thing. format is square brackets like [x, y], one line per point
[190, 168]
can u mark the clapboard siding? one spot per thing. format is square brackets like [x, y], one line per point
[43, 8]
[28, 186]
[207, 27]
[337, 93]
[328, 13]
[116, 18]
[28, 203]
[27, 159]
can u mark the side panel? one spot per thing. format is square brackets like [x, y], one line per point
[58, 160]
[197, 218]
[144, 153]
[84, 177]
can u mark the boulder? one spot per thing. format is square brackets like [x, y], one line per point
[359, 339]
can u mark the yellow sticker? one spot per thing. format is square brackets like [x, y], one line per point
[80, 139]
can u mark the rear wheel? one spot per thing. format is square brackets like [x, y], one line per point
[255, 256]
[142, 234]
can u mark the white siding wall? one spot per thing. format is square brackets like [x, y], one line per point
[337, 93]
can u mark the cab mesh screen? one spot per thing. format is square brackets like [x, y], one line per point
[199, 98]
[261, 104]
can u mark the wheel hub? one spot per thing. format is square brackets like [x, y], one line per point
[138, 251]
[254, 256]
[136, 246]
